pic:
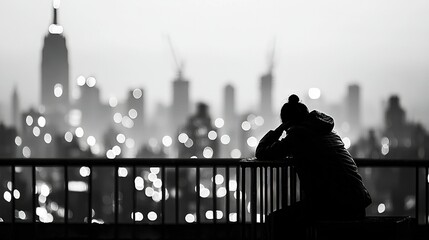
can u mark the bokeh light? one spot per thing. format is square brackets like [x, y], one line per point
[137, 93]
[314, 93]
[167, 141]
[219, 122]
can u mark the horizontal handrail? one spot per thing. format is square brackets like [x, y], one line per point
[361, 162]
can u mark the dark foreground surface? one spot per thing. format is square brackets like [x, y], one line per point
[402, 229]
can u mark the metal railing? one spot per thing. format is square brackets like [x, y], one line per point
[237, 205]
[418, 168]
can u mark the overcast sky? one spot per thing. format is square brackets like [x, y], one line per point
[381, 44]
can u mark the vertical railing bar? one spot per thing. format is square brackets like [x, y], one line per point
[417, 194]
[66, 200]
[214, 201]
[266, 193]
[34, 197]
[116, 193]
[261, 194]
[243, 200]
[214, 194]
[237, 192]
[292, 185]
[284, 189]
[163, 179]
[176, 178]
[135, 200]
[90, 201]
[278, 187]
[198, 200]
[227, 205]
[253, 199]
[426, 196]
[271, 190]
[13, 199]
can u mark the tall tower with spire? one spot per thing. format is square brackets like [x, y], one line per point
[55, 74]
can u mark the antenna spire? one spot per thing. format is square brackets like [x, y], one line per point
[56, 6]
[55, 28]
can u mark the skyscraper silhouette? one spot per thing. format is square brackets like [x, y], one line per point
[15, 110]
[266, 94]
[229, 106]
[232, 127]
[95, 116]
[180, 105]
[353, 110]
[135, 110]
[55, 74]
[197, 128]
[395, 120]
[266, 103]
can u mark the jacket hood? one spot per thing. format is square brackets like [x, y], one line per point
[319, 122]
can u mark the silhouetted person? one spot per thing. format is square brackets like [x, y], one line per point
[331, 185]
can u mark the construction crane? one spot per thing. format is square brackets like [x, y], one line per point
[271, 57]
[177, 61]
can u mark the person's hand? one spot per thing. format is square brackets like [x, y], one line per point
[284, 126]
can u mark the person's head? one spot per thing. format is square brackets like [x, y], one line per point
[293, 111]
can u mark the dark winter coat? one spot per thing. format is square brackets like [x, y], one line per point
[328, 174]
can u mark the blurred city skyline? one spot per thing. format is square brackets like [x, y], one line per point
[201, 79]
[379, 45]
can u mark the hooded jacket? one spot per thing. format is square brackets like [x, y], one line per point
[328, 174]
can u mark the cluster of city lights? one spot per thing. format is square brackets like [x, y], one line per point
[251, 123]
[75, 116]
[7, 195]
[47, 209]
[151, 216]
[154, 183]
[37, 132]
[44, 212]
[127, 121]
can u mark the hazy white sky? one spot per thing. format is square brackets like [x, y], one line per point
[381, 44]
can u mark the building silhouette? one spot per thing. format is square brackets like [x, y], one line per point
[197, 130]
[180, 105]
[135, 111]
[353, 110]
[95, 116]
[7, 141]
[16, 118]
[32, 136]
[266, 94]
[55, 74]
[266, 97]
[231, 127]
[229, 111]
[394, 118]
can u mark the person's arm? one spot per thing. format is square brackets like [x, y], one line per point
[270, 147]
